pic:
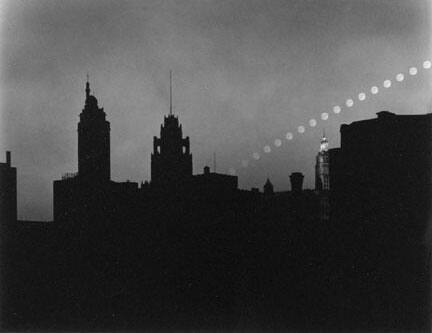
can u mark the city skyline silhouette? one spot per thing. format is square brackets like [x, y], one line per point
[216, 165]
[244, 77]
[188, 251]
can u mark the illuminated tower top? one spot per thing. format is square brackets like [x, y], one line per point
[322, 166]
[324, 143]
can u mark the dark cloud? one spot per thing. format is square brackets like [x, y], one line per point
[245, 72]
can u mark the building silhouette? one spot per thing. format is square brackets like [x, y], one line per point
[384, 162]
[8, 192]
[78, 196]
[171, 160]
[90, 193]
[381, 181]
[296, 179]
[93, 141]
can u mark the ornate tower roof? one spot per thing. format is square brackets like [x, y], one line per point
[171, 160]
[324, 143]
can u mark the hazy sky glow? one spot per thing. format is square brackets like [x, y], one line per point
[245, 73]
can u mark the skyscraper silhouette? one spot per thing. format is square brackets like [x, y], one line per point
[171, 160]
[93, 140]
[87, 191]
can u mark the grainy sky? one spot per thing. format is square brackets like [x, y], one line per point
[245, 73]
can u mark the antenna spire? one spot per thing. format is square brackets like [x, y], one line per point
[170, 109]
[87, 90]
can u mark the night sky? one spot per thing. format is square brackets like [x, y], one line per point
[244, 74]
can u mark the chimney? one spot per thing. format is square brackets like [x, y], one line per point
[296, 182]
[8, 158]
[206, 170]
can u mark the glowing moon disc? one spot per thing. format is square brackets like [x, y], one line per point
[400, 77]
[267, 149]
[324, 116]
[349, 102]
[245, 163]
[336, 109]
[374, 90]
[387, 84]
[413, 70]
[312, 123]
[301, 129]
[362, 96]
[278, 142]
[289, 136]
[427, 64]
[256, 156]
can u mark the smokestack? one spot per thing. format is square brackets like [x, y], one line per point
[296, 182]
[8, 158]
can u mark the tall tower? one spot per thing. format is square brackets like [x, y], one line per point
[171, 160]
[93, 141]
[322, 167]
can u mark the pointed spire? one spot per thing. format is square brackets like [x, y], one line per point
[214, 162]
[87, 90]
[268, 187]
[170, 109]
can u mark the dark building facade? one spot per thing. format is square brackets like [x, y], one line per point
[381, 181]
[386, 159]
[8, 191]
